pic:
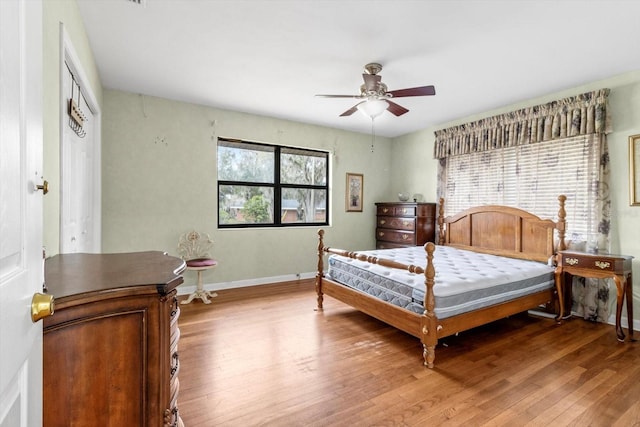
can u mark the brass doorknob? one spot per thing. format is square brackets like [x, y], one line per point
[42, 305]
[44, 187]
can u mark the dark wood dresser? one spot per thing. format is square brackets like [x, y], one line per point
[111, 346]
[404, 224]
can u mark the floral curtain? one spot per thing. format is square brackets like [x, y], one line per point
[591, 297]
[577, 115]
[582, 115]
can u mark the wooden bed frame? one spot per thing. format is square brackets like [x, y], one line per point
[497, 230]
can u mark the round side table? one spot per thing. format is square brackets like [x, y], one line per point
[199, 265]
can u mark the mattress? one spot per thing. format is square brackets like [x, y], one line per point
[464, 280]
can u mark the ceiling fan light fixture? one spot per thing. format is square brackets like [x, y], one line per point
[375, 98]
[373, 107]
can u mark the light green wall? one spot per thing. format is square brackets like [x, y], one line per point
[159, 181]
[54, 13]
[624, 106]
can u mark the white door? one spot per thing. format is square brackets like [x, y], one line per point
[80, 158]
[21, 272]
[77, 154]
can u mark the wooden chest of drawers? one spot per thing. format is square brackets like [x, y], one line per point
[405, 224]
[111, 346]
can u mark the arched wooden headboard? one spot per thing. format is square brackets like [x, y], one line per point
[504, 231]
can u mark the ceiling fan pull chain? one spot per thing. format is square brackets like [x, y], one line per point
[373, 133]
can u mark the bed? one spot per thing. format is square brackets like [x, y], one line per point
[431, 293]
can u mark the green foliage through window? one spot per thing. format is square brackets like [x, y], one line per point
[257, 180]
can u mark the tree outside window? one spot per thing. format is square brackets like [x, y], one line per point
[257, 180]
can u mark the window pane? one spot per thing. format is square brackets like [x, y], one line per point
[271, 185]
[303, 167]
[245, 162]
[303, 205]
[239, 204]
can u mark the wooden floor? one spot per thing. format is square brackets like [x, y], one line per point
[263, 356]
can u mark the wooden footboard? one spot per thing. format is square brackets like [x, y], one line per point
[497, 230]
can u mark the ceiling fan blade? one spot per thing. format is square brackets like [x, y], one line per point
[351, 110]
[371, 81]
[414, 91]
[396, 109]
[339, 96]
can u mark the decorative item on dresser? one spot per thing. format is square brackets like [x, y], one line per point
[404, 224]
[111, 347]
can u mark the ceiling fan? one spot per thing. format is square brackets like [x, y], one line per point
[376, 98]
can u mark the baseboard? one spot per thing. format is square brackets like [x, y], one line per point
[610, 321]
[624, 322]
[189, 288]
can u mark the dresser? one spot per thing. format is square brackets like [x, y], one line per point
[404, 224]
[111, 345]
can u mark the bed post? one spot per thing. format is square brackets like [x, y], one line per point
[320, 268]
[429, 320]
[561, 227]
[562, 222]
[441, 222]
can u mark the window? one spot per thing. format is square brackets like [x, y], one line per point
[531, 177]
[262, 185]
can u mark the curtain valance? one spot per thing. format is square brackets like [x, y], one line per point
[577, 115]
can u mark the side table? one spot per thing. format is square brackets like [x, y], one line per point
[600, 265]
[199, 265]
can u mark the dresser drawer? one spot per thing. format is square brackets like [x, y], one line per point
[590, 261]
[405, 211]
[391, 245]
[397, 236]
[408, 224]
[389, 210]
[601, 264]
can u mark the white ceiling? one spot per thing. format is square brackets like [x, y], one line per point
[271, 57]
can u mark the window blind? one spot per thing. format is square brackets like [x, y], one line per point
[530, 177]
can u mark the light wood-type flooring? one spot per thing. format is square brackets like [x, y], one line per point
[264, 357]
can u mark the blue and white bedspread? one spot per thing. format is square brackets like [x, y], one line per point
[464, 280]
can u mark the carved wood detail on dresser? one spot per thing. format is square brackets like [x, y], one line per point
[111, 347]
[404, 224]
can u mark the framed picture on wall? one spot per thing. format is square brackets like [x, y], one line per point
[353, 200]
[634, 170]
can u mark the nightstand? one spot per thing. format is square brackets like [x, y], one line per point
[600, 265]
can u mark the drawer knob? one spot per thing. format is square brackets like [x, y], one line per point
[405, 237]
[572, 261]
[385, 210]
[175, 364]
[383, 222]
[381, 234]
[174, 306]
[171, 417]
[602, 264]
